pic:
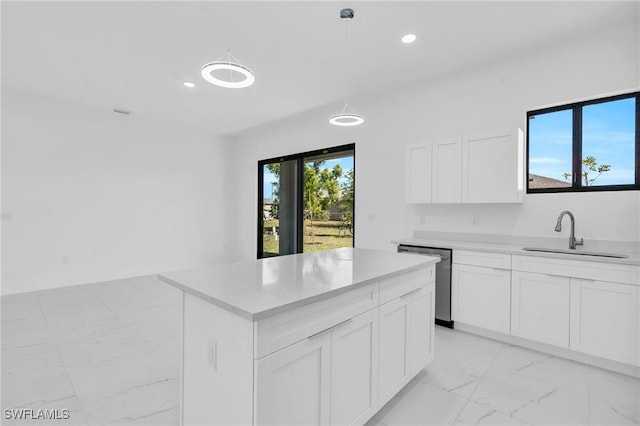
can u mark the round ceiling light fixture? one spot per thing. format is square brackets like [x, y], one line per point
[229, 63]
[408, 38]
[346, 118]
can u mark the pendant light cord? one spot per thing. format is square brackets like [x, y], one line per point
[346, 63]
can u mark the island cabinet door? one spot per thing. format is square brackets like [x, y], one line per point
[422, 327]
[354, 363]
[393, 348]
[292, 385]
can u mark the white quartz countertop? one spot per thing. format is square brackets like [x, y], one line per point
[261, 288]
[514, 248]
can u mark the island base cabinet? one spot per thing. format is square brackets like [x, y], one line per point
[354, 359]
[406, 340]
[326, 379]
[422, 327]
[394, 348]
[217, 378]
[293, 384]
[341, 374]
[605, 320]
[539, 307]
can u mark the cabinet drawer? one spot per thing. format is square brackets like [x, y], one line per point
[600, 271]
[391, 288]
[482, 258]
[276, 332]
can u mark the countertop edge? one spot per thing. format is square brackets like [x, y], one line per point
[511, 249]
[256, 316]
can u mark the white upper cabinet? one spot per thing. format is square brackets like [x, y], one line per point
[446, 171]
[483, 168]
[493, 167]
[418, 186]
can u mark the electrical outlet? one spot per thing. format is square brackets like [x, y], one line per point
[475, 220]
[66, 259]
[6, 217]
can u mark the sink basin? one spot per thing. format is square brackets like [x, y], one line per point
[582, 253]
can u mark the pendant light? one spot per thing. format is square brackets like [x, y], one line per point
[347, 117]
[238, 75]
[230, 63]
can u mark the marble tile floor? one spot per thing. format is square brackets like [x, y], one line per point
[109, 353]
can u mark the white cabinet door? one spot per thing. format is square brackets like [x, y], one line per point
[354, 361]
[293, 384]
[422, 327]
[540, 307]
[418, 173]
[493, 167]
[393, 346]
[447, 173]
[604, 320]
[482, 297]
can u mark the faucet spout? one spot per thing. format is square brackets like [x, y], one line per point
[573, 242]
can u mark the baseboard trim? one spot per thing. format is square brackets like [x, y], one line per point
[618, 367]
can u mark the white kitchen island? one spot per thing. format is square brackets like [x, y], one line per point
[306, 339]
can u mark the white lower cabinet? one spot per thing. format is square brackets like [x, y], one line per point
[605, 319]
[406, 339]
[354, 358]
[540, 307]
[481, 297]
[325, 379]
[393, 348]
[422, 327]
[343, 375]
[562, 302]
[293, 384]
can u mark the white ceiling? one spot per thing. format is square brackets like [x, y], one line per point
[135, 55]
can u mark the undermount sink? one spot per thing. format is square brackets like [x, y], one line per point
[583, 253]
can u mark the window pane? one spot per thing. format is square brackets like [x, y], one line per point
[608, 143]
[279, 208]
[328, 202]
[550, 149]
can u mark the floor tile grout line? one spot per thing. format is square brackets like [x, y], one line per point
[64, 364]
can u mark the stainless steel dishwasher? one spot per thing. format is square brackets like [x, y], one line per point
[443, 280]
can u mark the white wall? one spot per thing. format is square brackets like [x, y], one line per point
[493, 96]
[120, 196]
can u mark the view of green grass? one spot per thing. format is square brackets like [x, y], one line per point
[327, 235]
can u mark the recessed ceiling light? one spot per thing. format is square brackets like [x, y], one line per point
[409, 38]
[189, 84]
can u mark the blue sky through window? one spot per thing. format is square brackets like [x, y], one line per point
[608, 134]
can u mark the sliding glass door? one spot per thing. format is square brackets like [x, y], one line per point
[280, 208]
[306, 202]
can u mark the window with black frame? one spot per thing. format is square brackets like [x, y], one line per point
[306, 202]
[585, 146]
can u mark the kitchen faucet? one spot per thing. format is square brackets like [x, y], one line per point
[572, 237]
